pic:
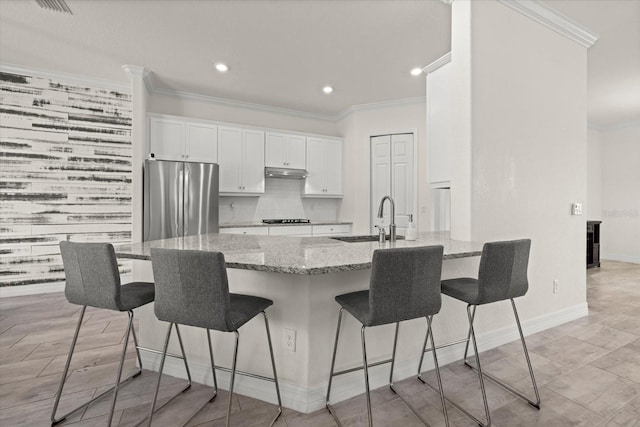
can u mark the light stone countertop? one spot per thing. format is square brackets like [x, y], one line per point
[296, 255]
[261, 224]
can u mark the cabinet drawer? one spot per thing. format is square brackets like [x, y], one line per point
[331, 230]
[290, 230]
[258, 231]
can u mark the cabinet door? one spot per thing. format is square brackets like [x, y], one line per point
[295, 153]
[274, 150]
[202, 143]
[316, 161]
[252, 161]
[333, 158]
[166, 138]
[230, 158]
[290, 230]
[439, 127]
[254, 231]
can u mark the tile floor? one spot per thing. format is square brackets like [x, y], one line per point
[588, 371]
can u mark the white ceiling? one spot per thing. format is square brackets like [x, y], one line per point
[281, 53]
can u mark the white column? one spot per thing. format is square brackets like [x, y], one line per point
[139, 142]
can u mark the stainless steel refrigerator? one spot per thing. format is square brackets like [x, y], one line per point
[180, 199]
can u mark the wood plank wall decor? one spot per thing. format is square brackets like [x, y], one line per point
[65, 173]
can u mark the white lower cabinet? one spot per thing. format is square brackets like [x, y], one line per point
[332, 230]
[291, 230]
[255, 231]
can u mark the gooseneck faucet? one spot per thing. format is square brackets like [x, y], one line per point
[392, 220]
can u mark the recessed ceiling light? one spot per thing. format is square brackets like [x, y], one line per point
[223, 68]
[416, 71]
[327, 89]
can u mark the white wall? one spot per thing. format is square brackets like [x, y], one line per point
[528, 144]
[356, 129]
[620, 229]
[593, 206]
[201, 108]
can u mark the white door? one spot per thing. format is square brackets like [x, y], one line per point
[380, 178]
[402, 180]
[392, 174]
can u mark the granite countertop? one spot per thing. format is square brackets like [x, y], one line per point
[261, 224]
[296, 255]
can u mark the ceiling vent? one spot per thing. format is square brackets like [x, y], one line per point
[55, 5]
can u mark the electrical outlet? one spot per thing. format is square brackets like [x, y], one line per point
[289, 339]
[576, 209]
[556, 286]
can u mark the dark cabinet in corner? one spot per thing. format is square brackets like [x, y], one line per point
[593, 243]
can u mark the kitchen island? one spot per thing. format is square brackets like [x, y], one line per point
[302, 275]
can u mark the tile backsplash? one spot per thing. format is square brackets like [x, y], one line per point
[282, 199]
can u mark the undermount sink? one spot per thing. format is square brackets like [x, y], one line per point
[365, 238]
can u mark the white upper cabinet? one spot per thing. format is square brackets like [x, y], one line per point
[285, 150]
[439, 127]
[180, 140]
[202, 143]
[241, 158]
[324, 164]
[166, 138]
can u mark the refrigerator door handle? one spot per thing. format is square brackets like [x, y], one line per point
[187, 201]
[180, 205]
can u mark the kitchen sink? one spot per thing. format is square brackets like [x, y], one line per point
[365, 238]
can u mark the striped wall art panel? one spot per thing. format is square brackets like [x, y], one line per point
[65, 173]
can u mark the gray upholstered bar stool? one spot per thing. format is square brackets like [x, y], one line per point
[192, 289]
[93, 279]
[404, 285]
[502, 276]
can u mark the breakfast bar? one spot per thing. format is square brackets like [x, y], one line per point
[302, 275]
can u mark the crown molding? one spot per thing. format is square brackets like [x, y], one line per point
[378, 105]
[64, 77]
[139, 72]
[553, 19]
[443, 60]
[240, 104]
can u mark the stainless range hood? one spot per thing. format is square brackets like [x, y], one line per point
[285, 173]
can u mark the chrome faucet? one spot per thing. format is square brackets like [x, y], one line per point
[392, 220]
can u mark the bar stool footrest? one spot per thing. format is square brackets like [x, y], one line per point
[505, 386]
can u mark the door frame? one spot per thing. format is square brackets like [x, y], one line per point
[414, 132]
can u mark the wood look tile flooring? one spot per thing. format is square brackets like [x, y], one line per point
[588, 372]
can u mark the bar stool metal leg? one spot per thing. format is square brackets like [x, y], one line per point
[536, 403]
[233, 377]
[119, 374]
[333, 363]
[366, 375]
[435, 362]
[55, 420]
[480, 376]
[213, 367]
[162, 360]
[273, 365]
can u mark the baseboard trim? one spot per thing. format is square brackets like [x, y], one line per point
[634, 259]
[38, 288]
[309, 399]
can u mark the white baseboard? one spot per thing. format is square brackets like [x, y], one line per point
[309, 399]
[634, 259]
[38, 288]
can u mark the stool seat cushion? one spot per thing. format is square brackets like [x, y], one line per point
[244, 308]
[136, 294]
[464, 289]
[357, 304]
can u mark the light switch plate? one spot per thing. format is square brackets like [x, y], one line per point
[576, 209]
